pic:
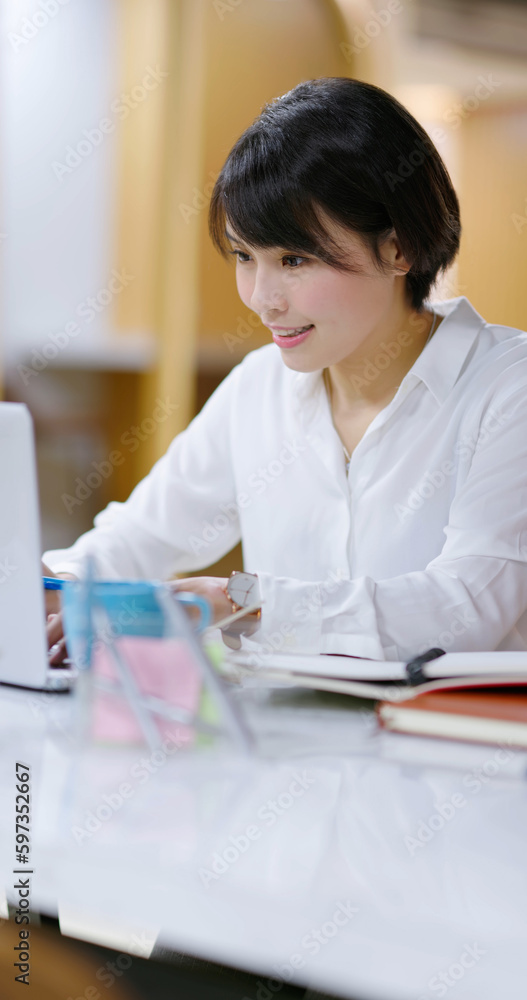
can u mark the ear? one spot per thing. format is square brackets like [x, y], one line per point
[392, 254]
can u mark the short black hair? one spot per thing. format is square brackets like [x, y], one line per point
[353, 150]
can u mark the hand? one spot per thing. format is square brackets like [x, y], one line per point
[212, 588]
[51, 597]
[209, 587]
[55, 636]
[54, 625]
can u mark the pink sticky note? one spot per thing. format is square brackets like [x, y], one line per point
[164, 668]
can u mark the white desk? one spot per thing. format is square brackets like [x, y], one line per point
[337, 842]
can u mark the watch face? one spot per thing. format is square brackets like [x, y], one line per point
[243, 589]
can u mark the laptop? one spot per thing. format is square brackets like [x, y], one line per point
[23, 647]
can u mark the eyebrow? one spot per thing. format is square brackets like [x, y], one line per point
[236, 239]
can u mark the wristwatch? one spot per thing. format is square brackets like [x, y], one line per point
[243, 590]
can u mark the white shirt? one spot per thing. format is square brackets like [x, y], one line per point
[423, 543]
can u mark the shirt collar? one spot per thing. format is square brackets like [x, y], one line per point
[440, 362]
[438, 365]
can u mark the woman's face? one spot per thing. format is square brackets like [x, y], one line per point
[341, 310]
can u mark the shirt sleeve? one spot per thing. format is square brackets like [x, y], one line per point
[468, 598]
[180, 517]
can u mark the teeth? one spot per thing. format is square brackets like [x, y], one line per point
[294, 333]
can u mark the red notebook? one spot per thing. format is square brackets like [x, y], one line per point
[479, 716]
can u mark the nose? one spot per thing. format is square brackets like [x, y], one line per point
[268, 297]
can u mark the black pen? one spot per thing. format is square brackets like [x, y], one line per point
[414, 668]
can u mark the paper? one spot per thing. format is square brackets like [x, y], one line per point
[469, 664]
[354, 668]
[162, 668]
[324, 665]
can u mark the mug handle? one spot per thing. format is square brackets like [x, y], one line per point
[200, 603]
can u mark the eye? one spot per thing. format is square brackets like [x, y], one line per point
[240, 254]
[293, 257]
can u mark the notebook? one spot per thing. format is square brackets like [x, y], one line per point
[480, 716]
[23, 646]
[382, 679]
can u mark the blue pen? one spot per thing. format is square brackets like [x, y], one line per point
[53, 583]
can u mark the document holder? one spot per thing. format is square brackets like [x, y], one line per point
[143, 668]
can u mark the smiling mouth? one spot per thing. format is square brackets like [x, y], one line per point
[293, 333]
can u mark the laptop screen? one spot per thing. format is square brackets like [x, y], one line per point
[23, 653]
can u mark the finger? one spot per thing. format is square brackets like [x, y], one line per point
[192, 611]
[54, 630]
[231, 640]
[251, 627]
[185, 583]
[58, 652]
[52, 601]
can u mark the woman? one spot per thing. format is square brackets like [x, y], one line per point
[373, 459]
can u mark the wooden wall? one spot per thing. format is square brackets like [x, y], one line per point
[493, 191]
[224, 61]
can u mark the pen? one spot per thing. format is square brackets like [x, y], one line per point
[234, 618]
[414, 669]
[53, 583]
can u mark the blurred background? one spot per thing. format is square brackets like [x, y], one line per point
[118, 317]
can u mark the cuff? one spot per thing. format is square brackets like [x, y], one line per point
[332, 616]
[63, 567]
[286, 625]
[365, 646]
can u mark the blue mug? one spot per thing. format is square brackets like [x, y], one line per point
[131, 608]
